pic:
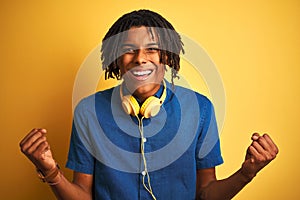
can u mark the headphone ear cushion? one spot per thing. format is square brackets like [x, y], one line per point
[130, 105]
[150, 107]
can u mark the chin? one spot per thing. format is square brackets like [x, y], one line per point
[146, 88]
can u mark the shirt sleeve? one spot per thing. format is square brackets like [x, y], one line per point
[79, 158]
[208, 152]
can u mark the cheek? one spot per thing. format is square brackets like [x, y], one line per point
[156, 58]
[121, 64]
[124, 60]
[161, 71]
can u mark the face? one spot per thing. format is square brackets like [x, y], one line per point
[140, 63]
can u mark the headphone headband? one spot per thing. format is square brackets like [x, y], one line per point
[149, 108]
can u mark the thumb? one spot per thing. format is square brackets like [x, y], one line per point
[249, 157]
[255, 136]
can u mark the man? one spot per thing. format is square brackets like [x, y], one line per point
[144, 116]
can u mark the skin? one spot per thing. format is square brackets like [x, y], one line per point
[260, 153]
[141, 54]
[37, 149]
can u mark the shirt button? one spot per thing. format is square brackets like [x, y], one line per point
[143, 173]
[144, 139]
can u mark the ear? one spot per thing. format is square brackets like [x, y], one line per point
[166, 59]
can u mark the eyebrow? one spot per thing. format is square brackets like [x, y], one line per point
[152, 44]
[132, 45]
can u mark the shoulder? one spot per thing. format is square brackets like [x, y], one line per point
[194, 103]
[188, 95]
[89, 102]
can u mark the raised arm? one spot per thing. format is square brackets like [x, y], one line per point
[261, 152]
[37, 149]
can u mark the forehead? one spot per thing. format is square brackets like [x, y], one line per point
[140, 35]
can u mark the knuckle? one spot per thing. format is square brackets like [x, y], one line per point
[34, 129]
[29, 151]
[250, 148]
[39, 134]
[273, 155]
[268, 157]
[266, 135]
[46, 143]
[261, 158]
[261, 139]
[44, 138]
[23, 150]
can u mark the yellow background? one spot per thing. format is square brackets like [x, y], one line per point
[254, 44]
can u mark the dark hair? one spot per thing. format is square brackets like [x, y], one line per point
[170, 43]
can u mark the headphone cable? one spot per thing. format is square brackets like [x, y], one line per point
[148, 188]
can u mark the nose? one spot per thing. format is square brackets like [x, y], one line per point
[140, 57]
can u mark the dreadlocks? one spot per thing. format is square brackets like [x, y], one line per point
[170, 43]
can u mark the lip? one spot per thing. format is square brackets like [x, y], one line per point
[140, 74]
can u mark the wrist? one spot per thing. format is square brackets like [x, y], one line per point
[52, 177]
[246, 177]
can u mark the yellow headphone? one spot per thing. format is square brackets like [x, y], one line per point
[149, 108]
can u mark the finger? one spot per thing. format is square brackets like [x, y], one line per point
[42, 157]
[33, 131]
[41, 149]
[35, 144]
[253, 153]
[264, 155]
[264, 143]
[44, 131]
[249, 155]
[258, 147]
[272, 144]
[255, 136]
[268, 145]
[33, 136]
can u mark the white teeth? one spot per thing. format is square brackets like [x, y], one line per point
[141, 73]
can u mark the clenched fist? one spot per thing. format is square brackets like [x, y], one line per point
[37, 149]
[261, 151]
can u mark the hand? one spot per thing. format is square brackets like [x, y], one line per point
[260, 153]
[36, 148]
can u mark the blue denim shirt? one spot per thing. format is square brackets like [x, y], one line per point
[181, 139]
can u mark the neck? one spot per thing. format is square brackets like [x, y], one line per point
[141, 94]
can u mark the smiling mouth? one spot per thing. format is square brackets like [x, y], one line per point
[141, 74]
